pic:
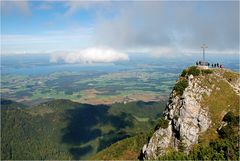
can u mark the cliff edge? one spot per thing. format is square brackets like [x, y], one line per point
[194, 113]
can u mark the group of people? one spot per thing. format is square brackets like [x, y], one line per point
[202, 63]
[217, 65]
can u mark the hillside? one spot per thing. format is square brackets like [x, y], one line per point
[63, 130]
[200, 121]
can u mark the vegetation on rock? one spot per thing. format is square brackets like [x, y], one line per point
[230, 131]
[162, 123]
[180, 86]
[184, 73]
[231, 119]
[206, 71]
[193, 71]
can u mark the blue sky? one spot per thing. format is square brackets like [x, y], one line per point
[44, 27]
[160, 28]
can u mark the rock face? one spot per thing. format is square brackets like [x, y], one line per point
[187, 119]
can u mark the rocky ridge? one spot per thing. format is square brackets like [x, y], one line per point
[187, 117]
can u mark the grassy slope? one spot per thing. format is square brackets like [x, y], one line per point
[62, 129]
[127, 149]
[222, 100]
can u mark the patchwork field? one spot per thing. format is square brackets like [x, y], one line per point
[90, 87]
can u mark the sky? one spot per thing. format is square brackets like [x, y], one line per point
[72, 29]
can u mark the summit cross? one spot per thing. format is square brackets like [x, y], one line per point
[204, 47]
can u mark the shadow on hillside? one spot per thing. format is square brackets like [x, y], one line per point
[145, 104]
[110, 138]
[81, 127]
[78, 152]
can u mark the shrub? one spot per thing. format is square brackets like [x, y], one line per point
[162, 123]
[228, 117]
[194, 71]
[184, 72]
[207, 71]
[226, 131]
[180, 86]
[231, 119]
[182, 146]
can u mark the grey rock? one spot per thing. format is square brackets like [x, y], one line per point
[187, 119]
[160, 140]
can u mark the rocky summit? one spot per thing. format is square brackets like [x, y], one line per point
[195, 110]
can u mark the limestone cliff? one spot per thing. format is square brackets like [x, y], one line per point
[190, 113]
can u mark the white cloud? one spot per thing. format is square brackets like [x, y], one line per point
[90, 55]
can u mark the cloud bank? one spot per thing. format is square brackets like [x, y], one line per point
[90, 55]
[172, 24]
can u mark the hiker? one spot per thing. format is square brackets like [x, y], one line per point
[217, 65]
[197, 63]
[212, 65]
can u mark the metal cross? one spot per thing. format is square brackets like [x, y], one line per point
[204, 46]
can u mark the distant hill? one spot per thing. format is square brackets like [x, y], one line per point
[63, 130]
[201, 122]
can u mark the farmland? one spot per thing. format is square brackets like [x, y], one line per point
[93, 87]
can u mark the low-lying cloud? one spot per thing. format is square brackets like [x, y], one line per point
[90, 55]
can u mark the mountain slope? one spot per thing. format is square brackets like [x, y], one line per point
[195, 111]
[63, 130]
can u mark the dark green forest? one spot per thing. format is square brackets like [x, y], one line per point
[62, 129]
